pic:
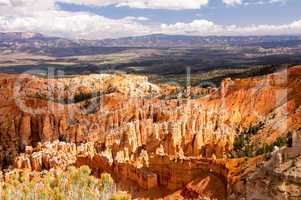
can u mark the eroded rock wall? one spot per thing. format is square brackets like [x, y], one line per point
[132, 125]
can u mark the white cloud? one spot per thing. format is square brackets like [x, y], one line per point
[251, 2]
[144, 4]
[91, 2]
[232, 2]
[4, 2]
[278, 1]
[196, 27]
[165, 4]
[204, 27]
[46, 18]
[137, 18]
[74, 25]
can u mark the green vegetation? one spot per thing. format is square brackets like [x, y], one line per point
[265, 149]
[82, 97]
[213, 76]
[242, 143]
[243, 147]
[72, 184]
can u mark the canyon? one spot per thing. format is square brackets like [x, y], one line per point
[185, 147]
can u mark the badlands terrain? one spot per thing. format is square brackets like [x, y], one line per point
[150, 117]
[239, 139]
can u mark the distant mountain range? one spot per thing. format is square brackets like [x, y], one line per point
[41, 44]
[161, 40]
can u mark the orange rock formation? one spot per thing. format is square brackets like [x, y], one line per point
[121, 124]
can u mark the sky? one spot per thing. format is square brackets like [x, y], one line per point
[100, 19]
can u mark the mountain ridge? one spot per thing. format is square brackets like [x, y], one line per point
[108, 41]
[39, 44]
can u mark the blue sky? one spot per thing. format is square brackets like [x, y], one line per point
[99, 19]
[268, 13]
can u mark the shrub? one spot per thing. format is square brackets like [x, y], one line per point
[106, 182]
[266, 149]
[244, 148]
[74, 183]
[120, 196]
[82, 97]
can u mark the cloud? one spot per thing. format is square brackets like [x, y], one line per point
[47, 18]
[137, 18]
[251, 2]
[278, 1]
[78, 25]
[4, 2]
[141, 4]
[144, 4]
[91, 2]
[166, 4]
[204, 28]
[196, 27]
[232, 2]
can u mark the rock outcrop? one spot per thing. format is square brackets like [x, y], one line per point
[279, 178]
[136, 131]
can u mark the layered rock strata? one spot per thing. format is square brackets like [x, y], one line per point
[138, 133]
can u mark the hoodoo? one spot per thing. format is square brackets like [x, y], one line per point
[128, 127]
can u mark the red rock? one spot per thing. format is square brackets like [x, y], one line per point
[151, 141]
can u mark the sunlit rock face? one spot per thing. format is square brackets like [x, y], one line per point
[124, 124]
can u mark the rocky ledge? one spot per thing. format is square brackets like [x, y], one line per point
[129, 127]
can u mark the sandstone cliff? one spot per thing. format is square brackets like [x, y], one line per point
[136, 131]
